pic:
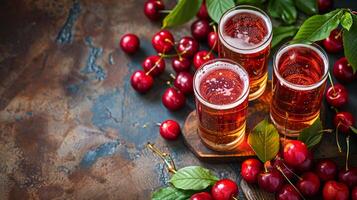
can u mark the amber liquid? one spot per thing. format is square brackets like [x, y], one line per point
[245, 38]
[298, 92]
[222, 128]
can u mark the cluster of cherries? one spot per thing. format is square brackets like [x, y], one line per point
[224, 189]
[295, 164]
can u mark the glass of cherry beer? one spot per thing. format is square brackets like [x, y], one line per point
[221, 88]
[299, 80]
[245, 34]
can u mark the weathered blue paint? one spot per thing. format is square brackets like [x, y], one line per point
[91, 156]
[73, 88]
[92, 68]
[65, 35]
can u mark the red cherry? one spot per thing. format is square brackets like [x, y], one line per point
[173, 99]
[250, 170]
[181, 64]
[213, 41]
[129, 43]
[307, 164]
[202, 12]
[152, 9]
[141, 82]
[156, 62]
[349, 177]
[279, 163]
[187, 46]
[163, 41]
[354, 193]
[200, 29]
[309, 184]
[170, 129]
[333, 43]
[295, 152]
[201, 196]
[326, 169]
[343, 71]
[343, 120]
[201, 58]
[334, 190]
[224, 189]
[337, 96]
[324, 5]
[184, 82]
[270, 181]
[287, 192]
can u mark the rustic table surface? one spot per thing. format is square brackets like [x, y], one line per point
[71, 126]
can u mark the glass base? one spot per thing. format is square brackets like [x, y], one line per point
[258, 88]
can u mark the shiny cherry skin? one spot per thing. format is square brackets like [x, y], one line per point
[224, 189]
[309, 184]
[201, 58]
[187, 46]
[307, 164]
[354, 193]
[184, 82]
[173, 99]
[334, 190]
[201, 196]
[294, 153]
[343, 120]
[163, 41]
[170, 129]
[333, 43]
[200, 29]
[270, 181]
[279, 162]
[343, 71]
[212, 40]
[349, 177]
[141, 82]
[156, 62]
[324, 5]
[337, 96]
[287, 192]
[202, 12]
[129, 43]
[250, 170]
[181, 64]
[326, 169]
[152, 9]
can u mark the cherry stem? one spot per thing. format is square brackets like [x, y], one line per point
[158, 124]
[235, 198]
[339, 34]
[172, 76]
[333, 86]
[164, 156]
[212, 23]
[173, 44]
[281, 171]
[337, 141]
[297, 176]
[348, 151]
[156, 64]
[326, 131]
[265, 167]
[164, 11]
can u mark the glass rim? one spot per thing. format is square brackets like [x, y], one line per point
[315, 47]
[248, 7]
[234, 104]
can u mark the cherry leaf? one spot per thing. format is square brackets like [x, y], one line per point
[216, 8]
[182, 13]
[282, 32]
[171, 193]
[350, 44]
[346, 21]
[312, 135]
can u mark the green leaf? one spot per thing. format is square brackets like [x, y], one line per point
[171, 193]
[254, 2]
[353, 129]
[312, 135]
[346, 20]
[193, 178]
[282, 32]
[216, 8]
[264, 140]
[182, 13]
[283, 9]
[307, 6]
[318, 27]
[350, 44]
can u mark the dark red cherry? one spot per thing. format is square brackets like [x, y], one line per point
[343, 71]
[287, 192]
[324, 5]
[307, 164]
[173, 99]
[184, 82]
[181, 64]
[250, 170]
[334, 190]
[201, 58]
[202, 12]
[309, 184]
[170, 129]
[333, 43]
[343, 120]
[294, 153]
[337, 96]
[279, 163]
[326, 169]
[152, 9]
[141, 82]
[200, 29]
[354, 193]
[224, 189]
[155, 62]
[187, 46]
[129, 43]
[163, 41]
[213, 41]
[349, 177]
[201, 196]
[270, 181]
